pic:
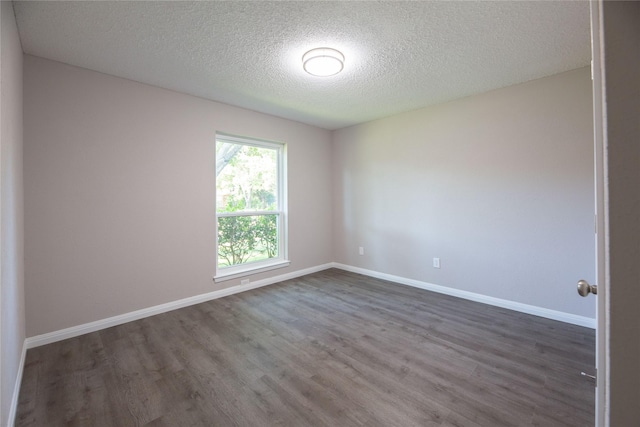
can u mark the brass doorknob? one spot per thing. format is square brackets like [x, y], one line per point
[584, 288]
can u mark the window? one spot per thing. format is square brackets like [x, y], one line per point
[250, 206]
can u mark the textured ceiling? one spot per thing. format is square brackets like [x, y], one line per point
[400, 56]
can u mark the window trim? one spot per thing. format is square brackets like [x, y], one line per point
[241, 270]
[255, 269]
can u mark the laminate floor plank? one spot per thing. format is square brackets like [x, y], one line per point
[329, 349]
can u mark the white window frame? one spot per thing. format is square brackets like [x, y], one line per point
[236, 271]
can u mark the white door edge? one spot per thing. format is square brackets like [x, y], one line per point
[600, 164]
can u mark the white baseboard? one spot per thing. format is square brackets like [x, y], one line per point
[498, 302]
[13, 409]
[86, 328]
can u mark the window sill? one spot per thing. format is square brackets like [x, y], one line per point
[249, 270]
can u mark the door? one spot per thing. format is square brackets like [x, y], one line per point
[597, 71]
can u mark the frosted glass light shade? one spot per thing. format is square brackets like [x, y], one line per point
[323, 62]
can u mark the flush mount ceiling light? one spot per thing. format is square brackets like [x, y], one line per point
[323, 62]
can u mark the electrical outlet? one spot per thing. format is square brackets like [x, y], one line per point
[361, 250]
[244, 281]
[436, 263]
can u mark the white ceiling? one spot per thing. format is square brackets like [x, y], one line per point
[400, 56]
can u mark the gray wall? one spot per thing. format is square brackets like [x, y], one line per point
[499, 186]
[621, 25]
[12, 317]
[120, 192]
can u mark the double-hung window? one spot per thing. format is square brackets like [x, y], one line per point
[250, 206]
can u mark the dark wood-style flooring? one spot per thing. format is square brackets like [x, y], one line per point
[329, 349]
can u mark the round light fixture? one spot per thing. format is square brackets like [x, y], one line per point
[323, 62]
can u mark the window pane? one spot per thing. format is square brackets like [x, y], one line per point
[247, 178]
[247, 238]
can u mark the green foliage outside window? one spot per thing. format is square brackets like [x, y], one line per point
[243, 239]
[246, 181]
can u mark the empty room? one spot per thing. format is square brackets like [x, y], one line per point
[319, 213]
